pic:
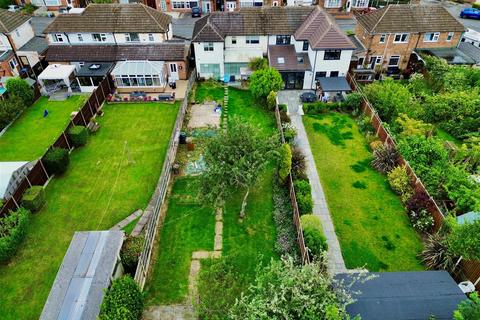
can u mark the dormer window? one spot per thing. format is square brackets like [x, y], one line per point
[132, 37]
[283, 40]
[305, 45]
[58, 37]
[99, 37]
[300, 60]
[281, 60]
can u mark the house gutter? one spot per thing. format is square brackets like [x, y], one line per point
[314, 65]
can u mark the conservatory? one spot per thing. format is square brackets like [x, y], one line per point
[148, 76]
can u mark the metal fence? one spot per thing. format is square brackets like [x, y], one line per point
[38, 176]
[471, 269]
[161, 190]
[293, 199]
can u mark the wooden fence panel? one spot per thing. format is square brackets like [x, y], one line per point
[7, 206]
[37, 176]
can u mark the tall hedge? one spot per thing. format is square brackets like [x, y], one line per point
[285, 163]
[123, 300]
[56, 161]
[78, 135]
[13, 228]
[313, 234]
[34, 198]
[131, 249]
[20, 88]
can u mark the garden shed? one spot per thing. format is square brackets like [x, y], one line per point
[11, 174]
[91, 262]
[405, 295]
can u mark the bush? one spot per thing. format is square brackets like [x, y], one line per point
[13, 228]
[422, 221]
[34, 198]
[123, 298]
[385, 158]
[9, 109]
[365, 125]
[400, 182]
[313, 235]
[436, 254]
[353, 102]
[263, 81]
[56, 161]
[299, 165]
[411, 127]
[131, 249]
[289, 132]
[258, 63]
[285, 162]
[468, 309]
[375, 144]
[318, 107]
[78, 135]
[271, 100]
[282, 107]
[304, 196]
[20, 88]
[417, 202]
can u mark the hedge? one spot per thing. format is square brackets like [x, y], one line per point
[56, 160]
[313, 234]
[303, 192]
[285, 162]
[123, 300]
[78, 135]
[34, 198]
[13, 228]
[131, 249]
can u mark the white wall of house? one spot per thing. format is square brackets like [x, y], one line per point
[109, 38]
[4, 43]
[321, 65]
[22, 34]
[203, 57]
[32, 57]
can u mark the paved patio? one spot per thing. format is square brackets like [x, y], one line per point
[320, 207]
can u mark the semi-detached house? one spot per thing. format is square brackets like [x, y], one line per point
[135, 39]
[303, 43]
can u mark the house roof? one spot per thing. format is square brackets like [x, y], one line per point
[85, 273]
[134, 17]
[409, 18]
[166, 51]
[250, 21]
[451, 55]
[95, 69]
[404, 295]
[284, 58]
[9, 21]
[322, 32]
[36, 44]
[334, 84]
[470, 50]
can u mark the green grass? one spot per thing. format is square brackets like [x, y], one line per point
[129, 227]
[208, 91]
[31, 134]
[112, 176]
[370, 221]
[188, 227]
[445, 136]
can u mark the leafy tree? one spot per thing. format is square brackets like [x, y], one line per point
[5, 3]
[9, 109]
[258, 63]
[464, 241]
[263, 81]
[468, 309]
[413, 127]
[418, 86]
[468, 155]
[283, 290]
[437, 68]
[123, 300]
[234, 161]
[20, 88]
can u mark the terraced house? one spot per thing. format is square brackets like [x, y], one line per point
[133, 41]
[303, 43]
[392, 34]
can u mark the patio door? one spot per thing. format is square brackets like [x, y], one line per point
[173, 68]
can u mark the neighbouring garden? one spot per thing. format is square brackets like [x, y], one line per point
[106, 180]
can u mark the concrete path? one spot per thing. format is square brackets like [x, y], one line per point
[320, 207]
[122, 224]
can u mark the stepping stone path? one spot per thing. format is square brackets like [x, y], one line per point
[225, 108]
[186, 311]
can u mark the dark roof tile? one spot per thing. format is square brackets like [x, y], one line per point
[9, 21]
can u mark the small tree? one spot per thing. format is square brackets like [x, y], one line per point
[285, 163]
[234, 161]
[464, 241]
[271, 100]
[123, 300]
[20, 88]
[258, 63]
[263, 81]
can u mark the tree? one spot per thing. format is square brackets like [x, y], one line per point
[235, 160]
[20, 88]
[468, 309]
[464, 241]
[283, 290]
[9, 109]
[413, 127]
[265, 80]
[258, 63]
[124, 300]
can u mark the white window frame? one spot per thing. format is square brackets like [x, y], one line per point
[252, 39]
[234, 40]
[450, 36]
[403, 38]
[394, 65]
[333, 3]
[13, 63]
[52, 3]
[58, 37]
[431, 37]
[128, 37]
[360, 3]
[103, 37]
[208, 46]
[151, 38]
[383, 37]
[80, 37]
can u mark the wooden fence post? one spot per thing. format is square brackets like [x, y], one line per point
[84, 121]
[45, 171]
[66, 140]
[28, 180]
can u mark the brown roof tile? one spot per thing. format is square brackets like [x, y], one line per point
[9, 21]
[410, 18]
[290, 59]
[112, 18]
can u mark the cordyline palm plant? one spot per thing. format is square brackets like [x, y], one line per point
[235, 159]
[436, 254]
[385, 158]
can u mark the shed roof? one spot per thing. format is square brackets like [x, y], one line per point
[135, 17]
[409, 18]
[334, 84]
[451, 55]
[57, 71]
[405, 296]
[85, 273]
[468, 217]
[10, 21]
[470, 50]
[36, 44]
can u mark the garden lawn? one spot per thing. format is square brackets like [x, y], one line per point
[209, 91]
[370, 221]
[112, 176]
[31, 134]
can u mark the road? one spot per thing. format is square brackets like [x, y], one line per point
[454, 9]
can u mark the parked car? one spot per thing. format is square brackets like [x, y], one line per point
[13, 8]
[308, 96]
[196, 12]
[470, 13]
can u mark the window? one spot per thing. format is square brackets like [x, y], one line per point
[52, 3]
[450, 36]
[24, 61]
[333, 73]
[431, 37]
[360, 3]
[179, 5]
[320, 74]
[360, 62]
[81, 64]
[333, 3]
[393, 61]
[99, 37]
[150, 37]
[305, 45]
[281, 60]
[300, 60]
[401, 38]
[382, 38]
[132, 37]
[234, 68]
[13, 63]
[80, 37]
[17, 33]
[210, 70]
[253, 39]
[58, 37]
[283, 40]
[332, 55]
[208, 46]
[234, 40]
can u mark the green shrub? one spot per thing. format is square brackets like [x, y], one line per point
[289, 132]
[13, 228]
[422, 221]
[318, 107]
[282, 107]
[285, 163]
[56, 161]
[304, 196]
[400, 182]
[313, 234]
[468, 309]
[385, 158]
[476, 5]
[299, 165]
[20, 88]
[271, 100]
[302, 186]
[124, 299]
[9, 109]
[131, 249]
[258, 63]
[353, 102]
[365, 124]
[263, 81]
[34, 198]
[78, 135]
